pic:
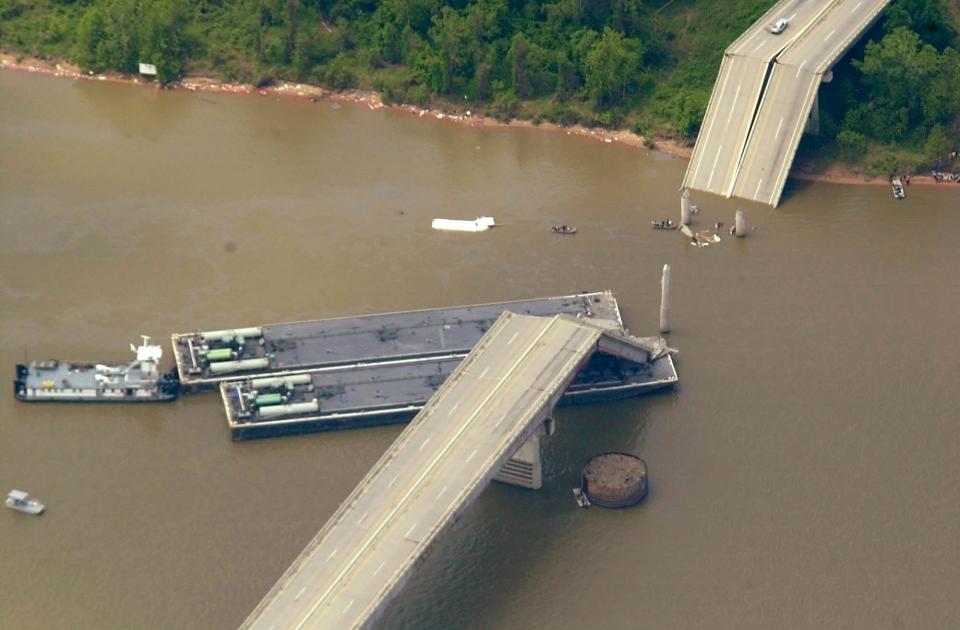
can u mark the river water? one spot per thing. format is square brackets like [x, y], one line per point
[804, 475]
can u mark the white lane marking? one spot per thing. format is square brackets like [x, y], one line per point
[777, 135]
[362, 518]
[485, 370]
[714, 169]
[512, 338]
[347, 607]
[698, 150]
[380, 567]
[757, 191]
[417, 483]
[829, 35]
[498, 422]
[735, 97]
[799, 68]
[333, 553]
[758, 47]
[452, 409]
[472, 455]
[394, 480]
[410, 531]
[791, 17]
[856, 7]
[297, 598]
[440, 494]
[425, 442]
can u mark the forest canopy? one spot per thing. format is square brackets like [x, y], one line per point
[644, 64]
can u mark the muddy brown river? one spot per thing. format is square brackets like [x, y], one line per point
[805, 474]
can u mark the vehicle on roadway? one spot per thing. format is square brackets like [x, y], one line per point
[779, 26]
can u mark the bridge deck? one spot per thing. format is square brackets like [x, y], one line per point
[790, 95]
[733, 103]
[482, 414]
[729, 161]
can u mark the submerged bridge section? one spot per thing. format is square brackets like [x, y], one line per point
[495, 400]
[764, 94]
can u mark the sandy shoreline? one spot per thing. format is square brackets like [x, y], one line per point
[833, 175]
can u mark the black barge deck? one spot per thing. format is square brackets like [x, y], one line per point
[390, 393]
[205, 359]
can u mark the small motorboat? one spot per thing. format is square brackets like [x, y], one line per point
[20, 501]
[663, 225]
[897, 186]
[563, 229]
[581, 497]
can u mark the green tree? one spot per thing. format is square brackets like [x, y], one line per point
[90, 33]
[937, 144]
[120, 46]
[852, 145]
[611, 65]
[162, 23]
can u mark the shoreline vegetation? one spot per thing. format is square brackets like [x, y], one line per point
[836, 173]
[638, 73]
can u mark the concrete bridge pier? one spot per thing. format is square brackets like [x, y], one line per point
[525, 468]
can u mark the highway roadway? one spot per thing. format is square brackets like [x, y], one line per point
[733, 102]
[499, 395]
[790, 95]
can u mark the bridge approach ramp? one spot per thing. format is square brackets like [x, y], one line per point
[493, 402]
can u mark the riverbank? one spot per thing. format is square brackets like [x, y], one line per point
[835, 174]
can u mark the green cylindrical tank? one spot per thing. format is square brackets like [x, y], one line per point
[233, 366]
[220, 354]
[289, 410]
[218, 335]
[268, 399]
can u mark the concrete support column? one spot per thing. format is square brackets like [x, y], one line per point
[740, 224]
[665, 300]
[525, 468]
[685, 207]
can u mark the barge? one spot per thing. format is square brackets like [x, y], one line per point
[205, 359]
[346, 397]
[62, 381]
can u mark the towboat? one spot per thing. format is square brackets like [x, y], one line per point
[137, 381]
[20, 501]
[564, 229]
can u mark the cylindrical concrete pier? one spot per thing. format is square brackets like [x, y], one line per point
[740, 224]
[614, 480]
[685, 207]
[665, 300]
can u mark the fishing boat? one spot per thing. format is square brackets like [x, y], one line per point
[20, 501]
[897, 186]
[663, 225]
[479, 224]
[563, 229]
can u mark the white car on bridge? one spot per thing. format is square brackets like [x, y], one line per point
[779, 26]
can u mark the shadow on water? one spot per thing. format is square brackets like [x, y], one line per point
[483, 561]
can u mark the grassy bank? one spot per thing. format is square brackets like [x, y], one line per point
[644, 66]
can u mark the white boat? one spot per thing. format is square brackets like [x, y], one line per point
[479, 224]
[20, 501]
